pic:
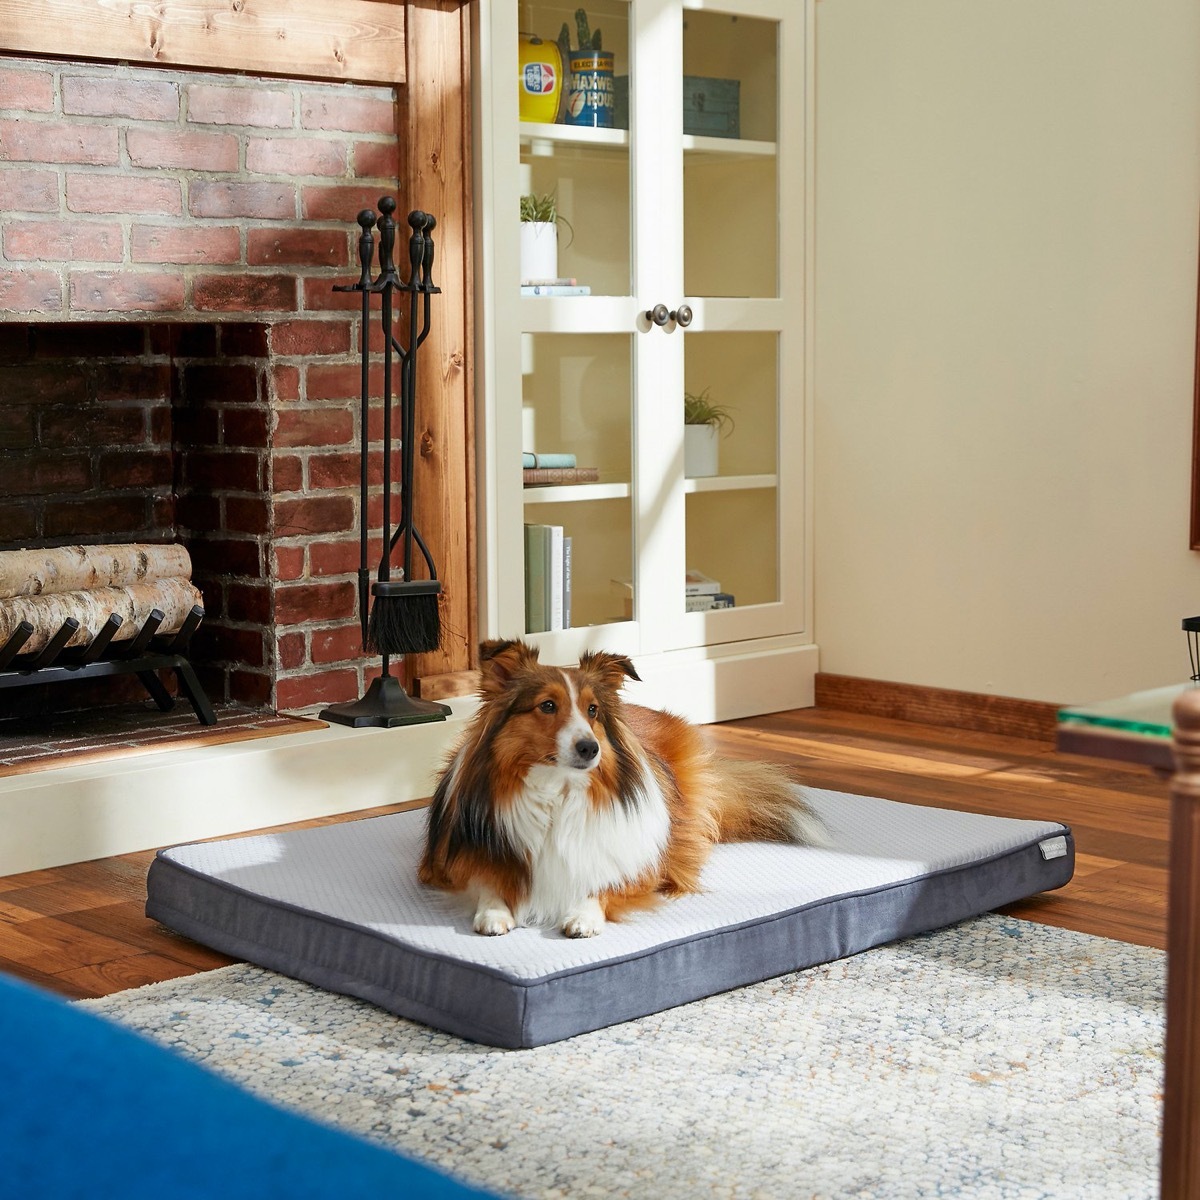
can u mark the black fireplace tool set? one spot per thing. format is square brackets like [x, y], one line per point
[399, 612]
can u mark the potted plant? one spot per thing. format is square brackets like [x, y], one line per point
[704, 421]
[540, 219]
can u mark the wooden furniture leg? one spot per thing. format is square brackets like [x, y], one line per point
[1181, 1090]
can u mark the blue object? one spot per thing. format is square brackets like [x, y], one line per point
[90, 1109]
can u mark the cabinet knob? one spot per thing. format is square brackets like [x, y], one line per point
[658, 314]
[682, 315]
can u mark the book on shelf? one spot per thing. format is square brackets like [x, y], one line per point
[547, 579]
[566, 585]
[531, 458]
[556, 281]
[554, 567]
[555, 289]
[536, 610]
[541, 476]
[696, 583]
[708, 603]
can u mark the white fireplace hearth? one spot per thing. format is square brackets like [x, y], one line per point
[81, 811]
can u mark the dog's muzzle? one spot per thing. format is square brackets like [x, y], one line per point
[584, 753]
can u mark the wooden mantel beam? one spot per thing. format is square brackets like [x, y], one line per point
[359, 41]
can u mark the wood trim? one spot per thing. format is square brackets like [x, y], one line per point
[361, 41]
[983, 713]
[1195, 525]
[1181, 1086]
[435, 133]
[449, 685]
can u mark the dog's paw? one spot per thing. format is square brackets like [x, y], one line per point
[492, 922]
[586, 922]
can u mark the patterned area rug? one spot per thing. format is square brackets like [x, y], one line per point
[998, 1058]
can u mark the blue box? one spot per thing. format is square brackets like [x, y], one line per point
[711, 107]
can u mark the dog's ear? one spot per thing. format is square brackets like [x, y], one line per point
[499, 661]
[613, 669]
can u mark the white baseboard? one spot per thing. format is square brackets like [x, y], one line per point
[75, 813]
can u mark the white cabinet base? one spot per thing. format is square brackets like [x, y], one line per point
[723, 683]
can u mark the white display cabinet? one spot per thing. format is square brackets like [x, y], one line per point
[714, 231]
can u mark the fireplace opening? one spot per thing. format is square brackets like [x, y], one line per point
[157, 432]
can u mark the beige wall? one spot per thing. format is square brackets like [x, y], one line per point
[1008, 194]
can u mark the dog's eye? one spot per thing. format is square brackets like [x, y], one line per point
[548, 706]
[593, 710]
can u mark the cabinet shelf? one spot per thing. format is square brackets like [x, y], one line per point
[577, 314]
[543, 138]
[729, 483]
[695, 146]
[574, 492]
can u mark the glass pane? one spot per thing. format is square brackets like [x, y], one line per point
[738, 373]
[577, 421]
[571, 146]
[730, 168]
[1141, 712]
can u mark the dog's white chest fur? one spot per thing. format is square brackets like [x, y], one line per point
[577, 849]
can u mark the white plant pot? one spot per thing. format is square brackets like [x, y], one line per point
[700, 450]
[539, 250]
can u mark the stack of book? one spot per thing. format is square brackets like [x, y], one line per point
[547, 579]
[541, 470]
[702, 594]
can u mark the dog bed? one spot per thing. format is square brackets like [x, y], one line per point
[340, 906]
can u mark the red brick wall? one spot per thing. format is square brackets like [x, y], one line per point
[131, 197]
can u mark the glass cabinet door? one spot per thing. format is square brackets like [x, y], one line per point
[739, 320]
[578, 392]
[649, 141]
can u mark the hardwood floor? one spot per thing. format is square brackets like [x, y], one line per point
[79, 930]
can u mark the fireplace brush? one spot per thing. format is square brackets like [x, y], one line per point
[399, 615]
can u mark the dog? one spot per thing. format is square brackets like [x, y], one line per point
[566, 806]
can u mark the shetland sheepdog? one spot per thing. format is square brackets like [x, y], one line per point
[566, 806]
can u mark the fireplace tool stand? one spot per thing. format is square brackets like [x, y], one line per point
[399, 615]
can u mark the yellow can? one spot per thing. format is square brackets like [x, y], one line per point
[540, 79]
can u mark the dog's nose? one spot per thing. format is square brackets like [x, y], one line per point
[587, 749]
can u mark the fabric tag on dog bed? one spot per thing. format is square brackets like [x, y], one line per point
[340, 906]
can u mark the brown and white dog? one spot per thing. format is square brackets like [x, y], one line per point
[566, 806]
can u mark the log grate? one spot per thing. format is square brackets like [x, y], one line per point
[144, 655]
[71, 613]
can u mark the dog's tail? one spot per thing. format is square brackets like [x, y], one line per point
[759, 803]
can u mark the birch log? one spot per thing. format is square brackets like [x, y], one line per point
[173, 597]
[76, 568]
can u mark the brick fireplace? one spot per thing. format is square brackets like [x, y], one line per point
[173, 361]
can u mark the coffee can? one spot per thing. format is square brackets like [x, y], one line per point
[590, 89]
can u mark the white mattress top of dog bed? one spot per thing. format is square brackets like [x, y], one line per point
[364, 873]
